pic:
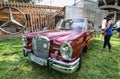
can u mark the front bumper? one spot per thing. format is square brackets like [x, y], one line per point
[55, 64]
[63, 66]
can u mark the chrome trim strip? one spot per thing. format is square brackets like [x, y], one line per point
[56, 48]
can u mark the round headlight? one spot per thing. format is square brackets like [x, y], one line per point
[66, 50]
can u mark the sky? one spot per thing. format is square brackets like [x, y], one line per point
[60, 3]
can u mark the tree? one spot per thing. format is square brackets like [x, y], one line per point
[25, 1]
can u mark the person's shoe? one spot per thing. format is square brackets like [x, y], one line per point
[110, 50]
[102, 49]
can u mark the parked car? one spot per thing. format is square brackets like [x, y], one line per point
[61, 48]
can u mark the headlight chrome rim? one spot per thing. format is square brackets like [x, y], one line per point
[66, 50]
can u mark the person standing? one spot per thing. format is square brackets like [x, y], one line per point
[108, 32]
[118, 27]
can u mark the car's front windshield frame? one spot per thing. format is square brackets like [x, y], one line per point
[73, 24]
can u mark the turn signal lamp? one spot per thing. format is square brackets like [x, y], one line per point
[29, 44]
[56, 52]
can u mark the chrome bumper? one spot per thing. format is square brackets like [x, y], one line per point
[63, 66]
[58, 65]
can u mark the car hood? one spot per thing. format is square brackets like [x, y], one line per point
[59, 36]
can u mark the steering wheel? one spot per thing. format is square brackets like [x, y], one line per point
[12, 20]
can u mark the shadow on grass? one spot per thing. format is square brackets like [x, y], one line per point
[50, 73]
[9, 54]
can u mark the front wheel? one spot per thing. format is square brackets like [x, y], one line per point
[85, 49]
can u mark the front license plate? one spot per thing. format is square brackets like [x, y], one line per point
[38, 60]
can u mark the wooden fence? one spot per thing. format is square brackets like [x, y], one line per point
[37, 16]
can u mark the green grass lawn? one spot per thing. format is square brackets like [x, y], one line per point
[96, 64]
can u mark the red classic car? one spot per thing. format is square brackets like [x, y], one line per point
[62, 48]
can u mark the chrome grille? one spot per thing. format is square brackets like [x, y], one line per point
[41, 45]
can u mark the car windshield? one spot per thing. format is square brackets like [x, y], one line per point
[74, 24]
